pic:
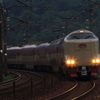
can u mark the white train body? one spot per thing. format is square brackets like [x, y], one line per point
[77, 54]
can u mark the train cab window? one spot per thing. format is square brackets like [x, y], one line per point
[81, 36]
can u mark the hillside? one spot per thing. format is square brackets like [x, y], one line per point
[46, 20]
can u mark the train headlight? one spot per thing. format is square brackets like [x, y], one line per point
[70, 62]
[93, 61]
[96, 61]
[73, 62]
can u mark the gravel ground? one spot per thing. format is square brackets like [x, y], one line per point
[95, 93]
[51, 88]
[39, 94]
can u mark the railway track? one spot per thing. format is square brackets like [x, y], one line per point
[21, 82]
[41, 88]
[88, 87]
[18, 84]
[77, 92]
[16, 77]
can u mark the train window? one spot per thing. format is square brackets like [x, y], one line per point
[81, 36]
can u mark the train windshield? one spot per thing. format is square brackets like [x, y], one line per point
[81, 36]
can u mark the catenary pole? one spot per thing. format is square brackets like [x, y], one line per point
[1, 46]
[5, 48]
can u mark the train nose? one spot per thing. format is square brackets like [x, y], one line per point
[83, 51]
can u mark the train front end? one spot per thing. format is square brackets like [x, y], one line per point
[81, 50]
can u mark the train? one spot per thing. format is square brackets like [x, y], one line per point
[75, 55]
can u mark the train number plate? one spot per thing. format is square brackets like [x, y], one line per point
[83, 73]
[84, 68]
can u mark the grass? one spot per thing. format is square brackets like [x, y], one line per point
[7, 78]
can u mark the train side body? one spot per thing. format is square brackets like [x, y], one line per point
[28, 55]
[42, 54]
[14, 56]
[56, 54]
[75, 55]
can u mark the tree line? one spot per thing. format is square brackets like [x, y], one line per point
[35, 21]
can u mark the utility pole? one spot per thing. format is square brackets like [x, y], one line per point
[3, 29]
[91, 19]
[67, 19]
[5, 47]
[90, 4]
[1, 46]
[26, 29]
[56, 30]
[66, 26]
[26, 37]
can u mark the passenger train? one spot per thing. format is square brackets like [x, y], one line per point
[75, 55]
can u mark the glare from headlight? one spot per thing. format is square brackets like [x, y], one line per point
[73, 62]
[93, 61]
[96, 61]
[70, 62]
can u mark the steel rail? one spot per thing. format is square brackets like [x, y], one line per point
[64, 93]
[21, 87]
[85, 93]
[9, 89]
[16, 78]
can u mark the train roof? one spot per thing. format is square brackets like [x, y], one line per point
[13, 48]
[80, 34]
[81, 31]
[43, 44]
[29, 46]
[57, 41]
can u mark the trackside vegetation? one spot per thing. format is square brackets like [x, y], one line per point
[7, 78]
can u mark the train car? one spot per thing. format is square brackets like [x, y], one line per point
[28, 55]
[42, 59]
[81, 50]
[56, 54]
[14, 57]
